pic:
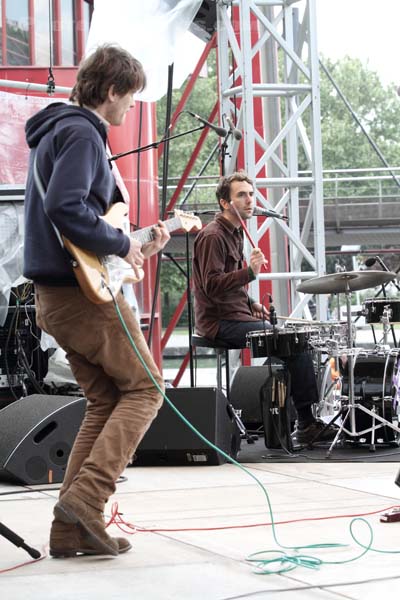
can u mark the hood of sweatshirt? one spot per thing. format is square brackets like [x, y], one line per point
[43, 121]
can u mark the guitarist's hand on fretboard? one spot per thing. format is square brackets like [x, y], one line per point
[135, 256]
[161, 236]
[101, 277]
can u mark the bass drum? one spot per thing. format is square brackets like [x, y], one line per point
[376, 386]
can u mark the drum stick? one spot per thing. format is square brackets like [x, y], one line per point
[296, 319]
[245, 230]
[282, 395]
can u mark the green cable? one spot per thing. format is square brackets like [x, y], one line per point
[258, 559]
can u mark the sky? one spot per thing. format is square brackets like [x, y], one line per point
[365, 29]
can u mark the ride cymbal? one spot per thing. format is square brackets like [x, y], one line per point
[338, 283]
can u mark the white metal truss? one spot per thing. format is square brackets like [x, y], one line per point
[281, 35]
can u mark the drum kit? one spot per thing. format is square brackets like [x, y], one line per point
[367, 387]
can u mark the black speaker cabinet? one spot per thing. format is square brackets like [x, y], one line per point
[169, 441]
[36, 436]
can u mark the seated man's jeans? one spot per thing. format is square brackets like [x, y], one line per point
[300, 366]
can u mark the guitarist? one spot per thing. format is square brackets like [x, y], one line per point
[69, 187]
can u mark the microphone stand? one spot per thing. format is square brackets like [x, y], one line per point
[189, 303]
[15, 539]
[274, 322]
[155, 144]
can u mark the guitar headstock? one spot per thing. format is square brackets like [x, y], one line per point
[188, 221]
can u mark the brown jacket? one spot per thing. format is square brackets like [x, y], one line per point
[219, 277]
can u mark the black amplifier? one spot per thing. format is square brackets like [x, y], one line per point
[20, 350]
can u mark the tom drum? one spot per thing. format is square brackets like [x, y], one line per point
[281, 343]
[374, 308]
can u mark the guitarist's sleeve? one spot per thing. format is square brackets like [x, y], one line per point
[79, 185]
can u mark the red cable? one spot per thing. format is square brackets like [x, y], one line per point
[117, 520]
[28, 562]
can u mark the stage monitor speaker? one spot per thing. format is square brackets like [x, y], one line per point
[169, 441]
[245, 391]
[36, 436]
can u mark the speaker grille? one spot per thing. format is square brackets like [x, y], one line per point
[39, 432]
[36, 468]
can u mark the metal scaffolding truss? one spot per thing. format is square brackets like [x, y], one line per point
[269, 83]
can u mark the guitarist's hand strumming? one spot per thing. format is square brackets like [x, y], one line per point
[135, 256]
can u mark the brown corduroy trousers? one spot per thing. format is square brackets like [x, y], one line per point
[122, 400]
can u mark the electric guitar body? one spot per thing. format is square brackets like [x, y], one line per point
[97, 275]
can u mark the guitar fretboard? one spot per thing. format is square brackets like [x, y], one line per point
[146, 234]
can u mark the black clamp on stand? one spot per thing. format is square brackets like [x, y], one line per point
[274, 398]
[18, 541]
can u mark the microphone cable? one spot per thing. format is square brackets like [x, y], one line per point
[267, 561]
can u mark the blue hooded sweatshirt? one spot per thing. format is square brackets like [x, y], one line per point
[70, 147]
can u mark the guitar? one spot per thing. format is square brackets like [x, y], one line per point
[95, 274]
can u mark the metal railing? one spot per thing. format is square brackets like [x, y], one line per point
[351, 196]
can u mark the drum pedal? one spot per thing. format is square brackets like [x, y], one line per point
[391, 516]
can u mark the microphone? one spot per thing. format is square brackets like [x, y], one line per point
[272, 316]
[237, 134]
[218, 130]
[371, 261]
[266, 212]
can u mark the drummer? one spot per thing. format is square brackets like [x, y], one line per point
[223, 309]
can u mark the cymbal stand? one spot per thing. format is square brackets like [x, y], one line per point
[348, 411]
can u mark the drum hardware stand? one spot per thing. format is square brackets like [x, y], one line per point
[339, 283]
[15, 539]
[325, 390]
[385, 320]
[348, 412]
[236, 415]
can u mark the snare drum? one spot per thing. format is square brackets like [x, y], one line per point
[281, 343]
[374, 307]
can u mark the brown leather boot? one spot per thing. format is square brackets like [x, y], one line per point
[71, 509]
[67, 541]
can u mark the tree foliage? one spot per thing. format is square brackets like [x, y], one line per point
[201, 101]
[377, 106]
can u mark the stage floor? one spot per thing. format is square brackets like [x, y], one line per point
[204, 522]
[345, 452]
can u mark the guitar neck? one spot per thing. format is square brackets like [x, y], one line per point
[147, 234]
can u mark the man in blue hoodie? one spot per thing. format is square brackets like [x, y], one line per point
[70, 186]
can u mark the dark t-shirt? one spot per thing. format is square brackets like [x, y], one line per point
[219, 277]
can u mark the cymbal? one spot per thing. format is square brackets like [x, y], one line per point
[338, 283]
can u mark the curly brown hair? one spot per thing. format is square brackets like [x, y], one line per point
[223, 190]
[110, 65]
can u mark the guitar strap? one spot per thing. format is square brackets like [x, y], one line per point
[42, 192]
